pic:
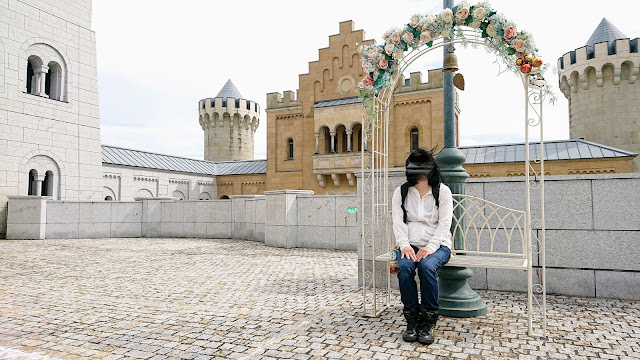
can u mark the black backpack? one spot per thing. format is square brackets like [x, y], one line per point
[404, 190]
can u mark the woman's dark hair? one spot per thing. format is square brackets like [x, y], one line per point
[422, 164]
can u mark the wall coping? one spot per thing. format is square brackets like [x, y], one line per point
[298, 192]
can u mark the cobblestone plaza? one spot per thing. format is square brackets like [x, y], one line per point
[217, 299]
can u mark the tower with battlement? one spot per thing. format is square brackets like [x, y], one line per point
[229, 122]
[600, 82]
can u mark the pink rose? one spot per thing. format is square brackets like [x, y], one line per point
[519, 45]
[383, 64]
[509, 33]
[407, 37]
[462, 14]
[372, 53]
[395, 38]
[425, 36]
[367, 82]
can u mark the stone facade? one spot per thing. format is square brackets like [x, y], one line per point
[313, 142]
[553, 167]
[601, 85]
[49, 121]
[124, 183]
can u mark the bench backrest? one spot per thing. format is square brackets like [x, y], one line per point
[486, 228]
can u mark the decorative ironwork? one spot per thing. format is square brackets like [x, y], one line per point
[486, 217]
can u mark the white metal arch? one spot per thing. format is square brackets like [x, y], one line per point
[374, 191]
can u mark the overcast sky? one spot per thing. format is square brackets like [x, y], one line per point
[157, 59]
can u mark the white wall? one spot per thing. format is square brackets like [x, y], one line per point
[127, 183]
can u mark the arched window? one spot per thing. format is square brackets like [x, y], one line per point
[326, 136]
[53, 83]
[341, 139]
[356, 134]
[178, 194]
[33, 175]
[415, 138]
[290, 149]
[205, 196]
[47, 184]
[108, 198]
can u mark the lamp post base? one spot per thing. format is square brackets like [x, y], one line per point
[457, 299]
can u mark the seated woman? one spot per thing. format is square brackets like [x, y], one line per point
[422, 212]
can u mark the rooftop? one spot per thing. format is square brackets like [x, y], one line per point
[229, 91]
[605, 32]
[114, 155]
[553, 150]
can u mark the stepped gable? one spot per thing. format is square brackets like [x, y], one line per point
[605, 31]
[229, 90]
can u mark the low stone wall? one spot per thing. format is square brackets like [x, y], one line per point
[592, 233]
[321, 221]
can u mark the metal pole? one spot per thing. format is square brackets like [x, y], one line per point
[457, 299]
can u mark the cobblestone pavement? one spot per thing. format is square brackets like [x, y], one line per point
[204, 299]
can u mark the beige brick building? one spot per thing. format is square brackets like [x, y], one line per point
[314, 134]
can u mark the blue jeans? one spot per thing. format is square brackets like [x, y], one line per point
[428, 274]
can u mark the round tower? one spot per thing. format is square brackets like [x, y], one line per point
[229, 122]
[600, 82]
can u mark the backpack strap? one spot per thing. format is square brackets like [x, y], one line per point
[435, 190]
[404, 190]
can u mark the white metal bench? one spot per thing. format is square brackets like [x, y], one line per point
[492, 236]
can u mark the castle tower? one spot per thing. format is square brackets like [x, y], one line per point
[228, 122]
[49, 121]
[600, 82]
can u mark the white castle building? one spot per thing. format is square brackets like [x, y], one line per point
[50, 125]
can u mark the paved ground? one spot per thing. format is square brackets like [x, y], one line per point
[203, 299]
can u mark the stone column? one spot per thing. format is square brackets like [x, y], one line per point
[281, 225]
[41, 77]
[152, 215]
[38, 184]
[333, 142]
[349, 149]
[27, 217]
[317, 143]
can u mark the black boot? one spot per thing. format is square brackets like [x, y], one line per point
[413, 323]
[427, 326]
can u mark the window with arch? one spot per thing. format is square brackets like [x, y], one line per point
[414, 138]
[33, 176]
[108, 198]
[47, 184]
[45, 73]
[289, 149]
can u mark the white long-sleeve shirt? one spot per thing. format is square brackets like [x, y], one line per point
[427, 225]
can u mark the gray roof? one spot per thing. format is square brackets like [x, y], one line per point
[229, 90]
[553, 150]
[352, 100]
[127, 157]
[606, 31]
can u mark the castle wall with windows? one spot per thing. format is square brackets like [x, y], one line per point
[314, 135]
[49, 121]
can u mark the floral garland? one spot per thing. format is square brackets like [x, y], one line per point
[380, 62]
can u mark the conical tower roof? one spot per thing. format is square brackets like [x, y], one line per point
[606, 31]
[229, 90]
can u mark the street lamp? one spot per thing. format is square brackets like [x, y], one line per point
[457, 299]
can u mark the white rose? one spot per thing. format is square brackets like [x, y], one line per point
[447, 16]
[491, 31]
[475, 24]
[479, 13]
[519, 45]
[389, 48]
[415, 20]
[463, 4]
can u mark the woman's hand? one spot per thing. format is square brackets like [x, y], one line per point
[423, 253]
[408, 253]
